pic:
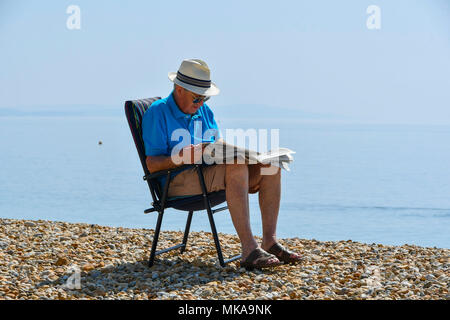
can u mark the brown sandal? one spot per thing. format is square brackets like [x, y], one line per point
[285, 255]
[259, 259]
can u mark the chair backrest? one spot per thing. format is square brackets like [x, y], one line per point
[134, 111]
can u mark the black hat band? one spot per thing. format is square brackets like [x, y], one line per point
[193, 81]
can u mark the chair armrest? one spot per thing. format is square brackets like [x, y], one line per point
[161, 173]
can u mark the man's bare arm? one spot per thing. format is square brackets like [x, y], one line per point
[158, 163]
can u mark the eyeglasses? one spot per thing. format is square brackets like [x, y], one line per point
[198, 99]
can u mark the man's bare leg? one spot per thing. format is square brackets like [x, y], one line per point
[269, 187]
[269, 203]
[269, 196]
[236, 181]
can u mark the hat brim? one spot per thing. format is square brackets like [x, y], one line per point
[211, 91]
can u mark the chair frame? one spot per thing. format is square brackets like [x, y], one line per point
[205, 201]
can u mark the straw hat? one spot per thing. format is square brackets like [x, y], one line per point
[194, 75]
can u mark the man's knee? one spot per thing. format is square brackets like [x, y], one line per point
[260, 170]
[270, 170]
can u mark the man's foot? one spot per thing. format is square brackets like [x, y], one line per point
[259, 259]
[284, 255]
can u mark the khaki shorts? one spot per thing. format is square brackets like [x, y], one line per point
[187, 182]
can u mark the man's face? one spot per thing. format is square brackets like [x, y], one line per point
[186, 101]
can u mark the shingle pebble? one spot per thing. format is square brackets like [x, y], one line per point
[82, 261]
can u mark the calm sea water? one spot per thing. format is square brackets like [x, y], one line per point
[386, 184]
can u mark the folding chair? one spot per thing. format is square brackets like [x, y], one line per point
[134, 111]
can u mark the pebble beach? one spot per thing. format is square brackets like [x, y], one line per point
[59, 260]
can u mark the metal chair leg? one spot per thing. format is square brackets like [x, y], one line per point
[214, 232]
[186, 231]
[155, 238]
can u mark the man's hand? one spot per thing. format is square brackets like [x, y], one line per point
[187, 155]
[192, 153]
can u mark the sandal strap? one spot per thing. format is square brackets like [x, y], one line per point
[259, 258]
[276, 249]
[281, 252]
[257, 254]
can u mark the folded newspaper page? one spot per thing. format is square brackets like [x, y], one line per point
[221, 152]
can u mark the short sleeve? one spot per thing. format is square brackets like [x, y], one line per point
[154, 133]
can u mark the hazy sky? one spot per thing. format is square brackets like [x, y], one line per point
[314, 56]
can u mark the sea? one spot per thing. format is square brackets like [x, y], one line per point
[372, 183]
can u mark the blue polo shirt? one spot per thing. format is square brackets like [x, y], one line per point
[165, 126]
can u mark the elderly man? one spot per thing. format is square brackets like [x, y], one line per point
[185, 108]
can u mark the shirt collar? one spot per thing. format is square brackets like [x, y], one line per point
[177, 112]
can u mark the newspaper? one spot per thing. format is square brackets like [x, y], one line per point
[221, 152]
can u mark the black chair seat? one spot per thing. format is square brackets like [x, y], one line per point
[196, 203]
